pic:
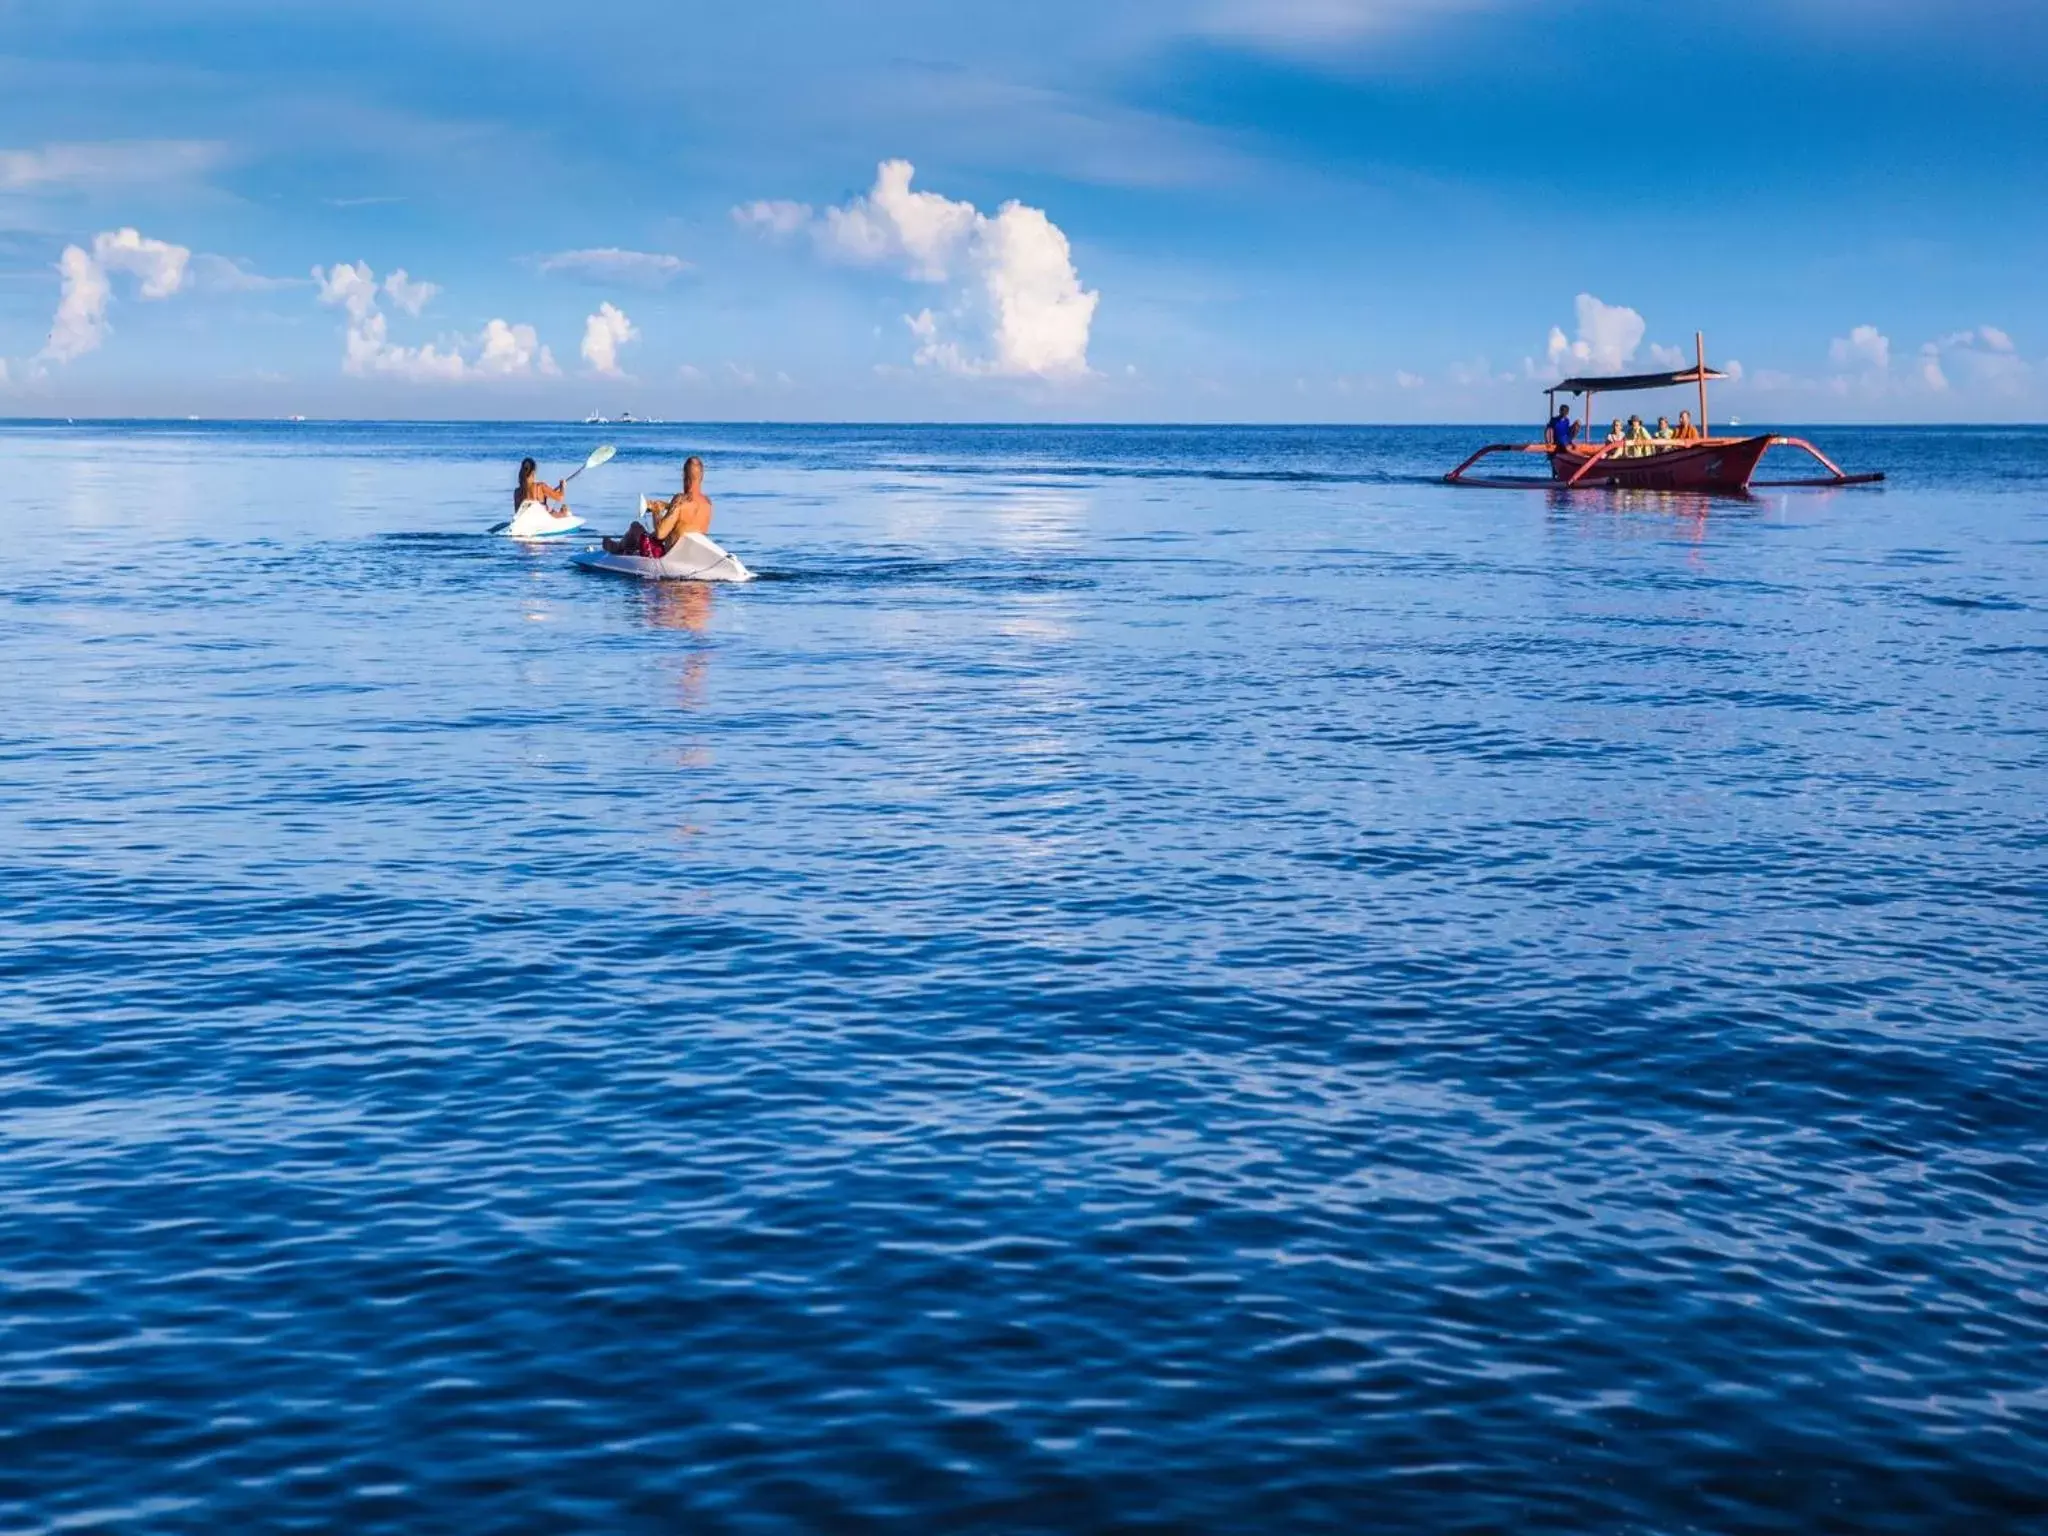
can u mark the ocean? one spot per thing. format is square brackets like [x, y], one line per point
[1149, 980]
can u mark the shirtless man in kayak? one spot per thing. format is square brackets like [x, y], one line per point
[689, 512]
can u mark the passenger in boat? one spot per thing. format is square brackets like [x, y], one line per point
[1562, 429]
[533, 488]
[1687, 432]
[689, 512]
[1616, 436]
[1663, 432]
[1638, 437]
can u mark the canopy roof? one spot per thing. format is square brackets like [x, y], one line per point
[1628, 381]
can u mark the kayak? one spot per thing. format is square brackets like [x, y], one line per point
[695, 558]
[534, 521]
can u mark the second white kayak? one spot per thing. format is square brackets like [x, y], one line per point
[695, 558]
[533, 520]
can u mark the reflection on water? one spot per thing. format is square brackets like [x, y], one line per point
[682, 605]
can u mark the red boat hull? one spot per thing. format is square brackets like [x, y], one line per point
[1720, 464]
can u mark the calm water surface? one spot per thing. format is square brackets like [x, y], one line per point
[1176, 981]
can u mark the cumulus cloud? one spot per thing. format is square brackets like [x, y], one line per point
[1670, 359]
[1984, 357]
[86, 288]
[353, 286]
[1608, 337]
[1864, 347]
[80, 323]
[511, 350]
[924, 230]
[780, 217]
[1931, 371]
[1017, 307]
[407, 293]
[156, 265]
[504, 351]
[609, 264]
[603, 334]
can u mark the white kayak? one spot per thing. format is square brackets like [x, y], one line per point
[534, 520]
[695, 558]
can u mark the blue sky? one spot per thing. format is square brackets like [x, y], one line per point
[1372, 210]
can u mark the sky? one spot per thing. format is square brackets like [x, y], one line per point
[1214, 210]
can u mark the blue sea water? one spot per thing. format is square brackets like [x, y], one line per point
[1154, 980]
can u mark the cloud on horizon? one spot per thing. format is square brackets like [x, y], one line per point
[80, 324]
[1017, 308]
[603, 334]
[1609, 335]
[504, 350]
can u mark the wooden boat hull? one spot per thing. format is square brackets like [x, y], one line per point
[1721, 464]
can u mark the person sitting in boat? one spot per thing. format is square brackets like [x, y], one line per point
[533, 488]
[1562, 429]
[1616, 434]
[1663, 432]
[1686, 432]
[689, 512]
[1638, 437]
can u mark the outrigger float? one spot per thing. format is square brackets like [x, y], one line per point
[1715, 465]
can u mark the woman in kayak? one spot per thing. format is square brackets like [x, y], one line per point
[533, 488]
[687, 513]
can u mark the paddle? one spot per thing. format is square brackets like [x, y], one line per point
[603, 454]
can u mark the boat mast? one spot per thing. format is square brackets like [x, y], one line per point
[1699, 350]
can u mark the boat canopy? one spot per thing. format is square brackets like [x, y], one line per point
[1628, 381]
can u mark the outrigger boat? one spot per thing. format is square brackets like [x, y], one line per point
[1718, 465]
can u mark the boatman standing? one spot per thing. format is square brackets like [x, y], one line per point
[1562, 428]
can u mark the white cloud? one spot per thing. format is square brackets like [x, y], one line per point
[1984, 357]
[603, 334]
[1864, 347]
[85, 167]
[352, 286]
[1734, 371]
[780, 218]
[157, 265]
[510, 350]
[1408, 380]
[1015, 288]
[923, 229]
[1608, 337]
[1931, 373]
[504, 351]
[1670, 359]
[80, 323]
[609, 264]
[408, 294]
